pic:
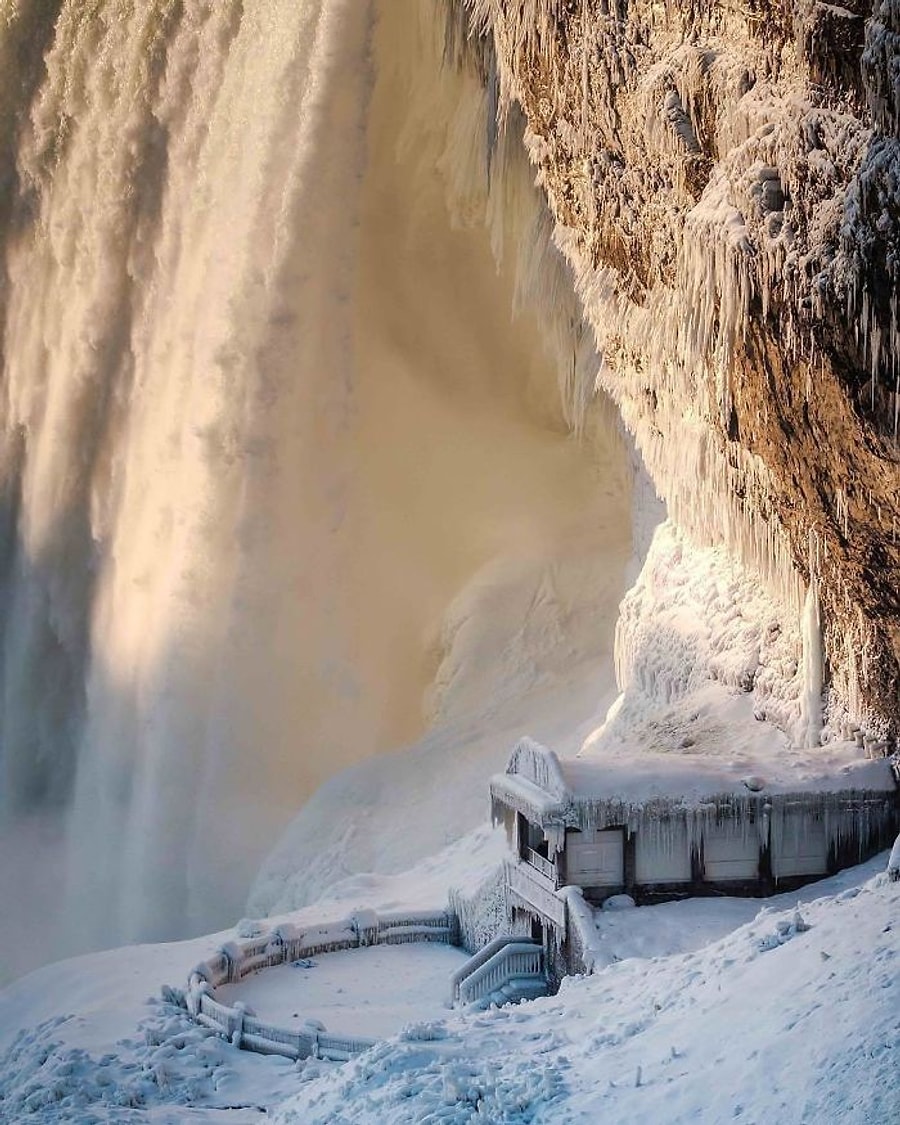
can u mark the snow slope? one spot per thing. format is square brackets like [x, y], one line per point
[767, 1023]
[708, 1011]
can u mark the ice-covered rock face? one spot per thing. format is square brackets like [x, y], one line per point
[726, 183]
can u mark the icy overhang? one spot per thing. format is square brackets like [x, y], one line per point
[604, 789]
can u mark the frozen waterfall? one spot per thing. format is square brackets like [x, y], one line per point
[265, 415]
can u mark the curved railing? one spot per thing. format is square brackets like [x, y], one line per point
[287, 943]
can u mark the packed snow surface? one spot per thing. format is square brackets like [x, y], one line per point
[372, 992]
[704, 1010]
[838, 767]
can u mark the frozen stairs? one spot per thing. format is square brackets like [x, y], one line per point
[506, 971]
[515, 990]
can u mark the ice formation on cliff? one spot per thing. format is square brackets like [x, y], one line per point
[724, 180]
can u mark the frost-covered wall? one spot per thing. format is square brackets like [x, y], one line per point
[694, 621]
[725, 184]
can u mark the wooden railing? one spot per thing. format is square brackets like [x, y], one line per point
[284, 944]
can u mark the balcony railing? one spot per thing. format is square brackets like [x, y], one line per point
[526, 883]
[546, 868]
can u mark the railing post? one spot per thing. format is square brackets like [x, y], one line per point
[365, 923]
[233, 955]
[197, 988]
[237, 1032]
[275, 949]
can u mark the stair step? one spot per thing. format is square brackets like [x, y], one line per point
[518, 989]
[531, 994]
[528, 983]
[537, 989]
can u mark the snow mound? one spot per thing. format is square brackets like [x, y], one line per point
[894, 862]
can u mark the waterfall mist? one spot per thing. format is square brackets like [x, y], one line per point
[265, 412]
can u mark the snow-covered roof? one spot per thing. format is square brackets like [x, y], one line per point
[551, 789]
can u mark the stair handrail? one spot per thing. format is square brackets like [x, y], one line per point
[514, 959]
[484, 954]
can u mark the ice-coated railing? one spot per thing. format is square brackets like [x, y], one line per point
[519, 957]
[477, 960]
[584, 940]
[287, 943]
[544, 866]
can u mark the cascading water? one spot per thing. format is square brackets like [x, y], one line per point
[264, 415]
[175, 257]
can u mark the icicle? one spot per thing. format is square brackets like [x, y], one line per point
[812, 667]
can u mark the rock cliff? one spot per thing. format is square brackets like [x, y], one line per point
[725, 180]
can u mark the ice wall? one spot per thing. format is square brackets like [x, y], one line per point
[708, 662]
[275, 456]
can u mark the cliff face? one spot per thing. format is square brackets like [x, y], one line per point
[726, 184]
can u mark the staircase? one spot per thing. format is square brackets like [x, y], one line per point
[506, 971]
